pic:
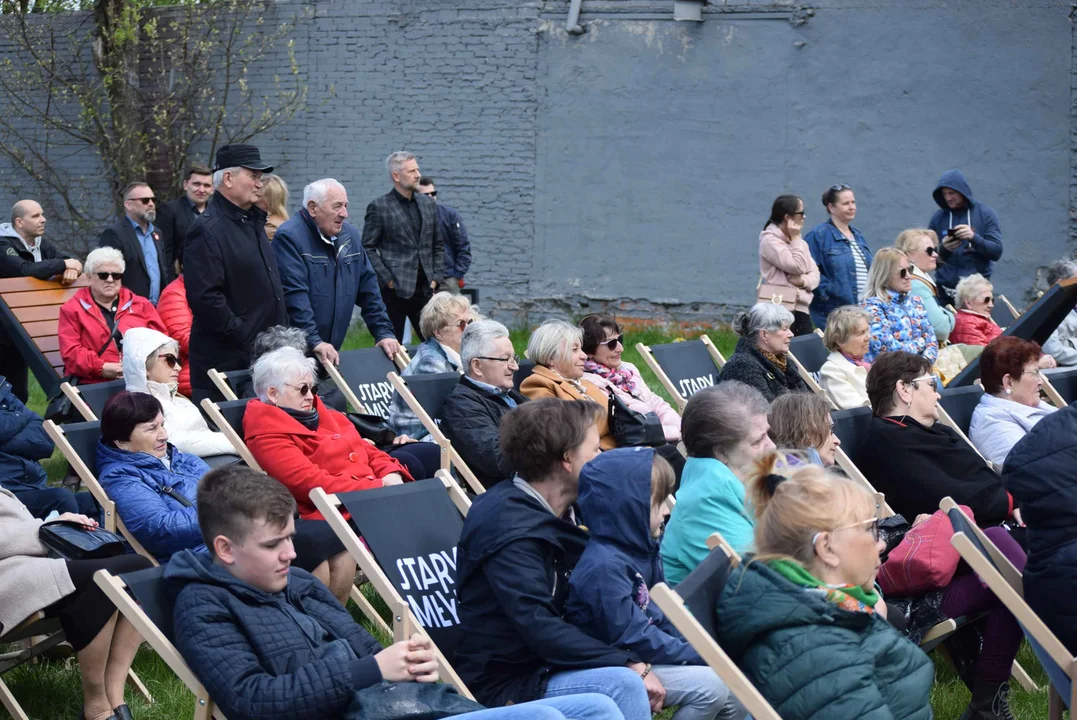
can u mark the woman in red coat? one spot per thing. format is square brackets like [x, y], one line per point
[176, 315]
[304, 444]
[92, 322]
[975, 300]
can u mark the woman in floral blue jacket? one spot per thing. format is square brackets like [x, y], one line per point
[899, 320]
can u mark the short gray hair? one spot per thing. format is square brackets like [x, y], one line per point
[218, 175]
[841, 324]
[439, 311]
[277, 337]
[1060, 270]
[275, 368]
[717, 418]
[319, 189]
[552, 341]
[479, 339]
[103, 256]
[764, 315]
[969, 287]
[396, 160]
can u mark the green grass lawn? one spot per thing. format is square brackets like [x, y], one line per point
[50, 689]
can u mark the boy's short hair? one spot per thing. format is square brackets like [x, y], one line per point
[232, 498]
[663, 479]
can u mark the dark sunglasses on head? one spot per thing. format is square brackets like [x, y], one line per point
[109, 275]
[144, 201]
[839, 187]
[305, 388]
[931, 250]
[171, 359]
[612, 343]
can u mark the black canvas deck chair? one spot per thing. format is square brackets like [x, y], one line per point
[232, 384]
[425, 394]
[851, 427]
[1011, 311]
[522, 373]
[691, 609]
[228, 417]
[411, 565]
[28, 640]
[683, 368]
[808, 354]
[361, 376]
[959, 404]
[1060, 386]
[143, 599]
[89, 400]
[29, 315]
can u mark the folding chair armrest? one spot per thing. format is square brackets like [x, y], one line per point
[78, 402]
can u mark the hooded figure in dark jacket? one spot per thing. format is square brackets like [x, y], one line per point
[1041, 473]
[980, 244]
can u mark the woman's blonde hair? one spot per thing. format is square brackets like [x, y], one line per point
[882, 268]
[551, 342]
[841, 324]
[906, 239]
[793, 503]
[969, 287]
[276, 195]
[441, 310]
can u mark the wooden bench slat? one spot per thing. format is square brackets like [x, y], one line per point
[36, 314]
[47, 344]
[41, 329]
[38, 297]
[25, 284]
[55, 360]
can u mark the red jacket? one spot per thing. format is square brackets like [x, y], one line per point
[972, 328]
[82, 331]
[176, 315]
[334, 457]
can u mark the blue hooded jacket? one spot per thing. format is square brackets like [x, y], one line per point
[23, 442]
[976, 256]
[138, 483]
[607, 595]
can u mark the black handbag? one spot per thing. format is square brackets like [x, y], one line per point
[373, 427]
[631, 428]
[75, 541]
[409, 701]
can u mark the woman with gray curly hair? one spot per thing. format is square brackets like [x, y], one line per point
[760, 359]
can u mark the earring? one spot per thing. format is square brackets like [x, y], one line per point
[1009, 392]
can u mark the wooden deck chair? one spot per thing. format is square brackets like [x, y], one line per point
[89, 400]
[1001, 315]
[1060, 386]
[1005, 581]
[683, 368]
[691, 609]
[851, 427]
[946, 419]
[808, 354]
[959, 404]
[142, 598]
[29, 315]
[361, 376]
[42, 634]
[403, 358]
[1005, 302]
[78, 444]
[228, 417]
[231, 383]
[412, 565]
[425, 394]
[522, 373]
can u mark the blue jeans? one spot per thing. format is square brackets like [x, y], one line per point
[698, 693]
[585, 706]
[620, 684]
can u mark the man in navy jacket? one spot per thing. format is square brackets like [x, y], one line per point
[326, 272]
[968, 230]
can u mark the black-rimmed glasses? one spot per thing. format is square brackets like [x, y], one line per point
[513, 359]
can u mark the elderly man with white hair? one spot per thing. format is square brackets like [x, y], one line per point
[93, 321]
[401, 234]
[471, 415]
[326, 272]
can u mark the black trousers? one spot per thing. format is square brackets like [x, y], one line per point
[84, 612]
[401, 309]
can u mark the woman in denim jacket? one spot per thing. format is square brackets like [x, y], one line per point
[898, 318]
[841, 253]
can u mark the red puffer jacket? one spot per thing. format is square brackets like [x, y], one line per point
[334, 457]
[176, 315]
[82, 331]
[972, 328]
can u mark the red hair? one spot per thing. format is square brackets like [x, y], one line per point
[1005, 356]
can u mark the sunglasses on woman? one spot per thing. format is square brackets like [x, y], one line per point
[904, 272]
[106, 276]
[462, 325]
[930, 379]
[613, 342]
[169, 358]
[931, 250]
[305, 388]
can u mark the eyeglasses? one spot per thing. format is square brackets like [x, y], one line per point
[930, 379]
[872, 523]
[511, 360]
[931, 250]
[432, 194]
[171, 359]
[145, 200]
[305, 388]
[106, 276]
[904, 272]
[462, 324]
[1035, 372]
[612, 343]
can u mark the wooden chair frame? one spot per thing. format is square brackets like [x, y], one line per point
[811, 382]
[1052, 393]
[1009, 306]
[342, 384]
[402, 359]
[945, 419]
[648, 358]
[221, 383]
[450, 458]
[78, 402]
[42, 635]
[114, 587]
[214, 412]
[404, 619]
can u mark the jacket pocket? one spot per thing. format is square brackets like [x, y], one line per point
[319, 275]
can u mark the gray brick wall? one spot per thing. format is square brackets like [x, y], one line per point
[633, 166]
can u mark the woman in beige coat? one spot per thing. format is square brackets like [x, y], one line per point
[788, 272]
[32, 582]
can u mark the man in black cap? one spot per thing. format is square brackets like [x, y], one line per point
[233, 286]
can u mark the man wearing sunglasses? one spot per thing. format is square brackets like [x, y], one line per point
[457, 258]
[968, 230]
[136, 237]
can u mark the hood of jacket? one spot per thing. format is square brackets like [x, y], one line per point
[262, 418]
[955, 180]
[615, 500]
[138, 344]
[187, 567]
[8, 230]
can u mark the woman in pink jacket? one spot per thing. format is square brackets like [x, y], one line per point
[788, 274]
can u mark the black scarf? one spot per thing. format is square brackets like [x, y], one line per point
[306, 418]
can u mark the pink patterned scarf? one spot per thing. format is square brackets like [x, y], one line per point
[620, 378]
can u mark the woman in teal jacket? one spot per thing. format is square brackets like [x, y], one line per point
[797, 618]
[724, 429]
[921, 246]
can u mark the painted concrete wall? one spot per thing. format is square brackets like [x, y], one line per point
[636, 164]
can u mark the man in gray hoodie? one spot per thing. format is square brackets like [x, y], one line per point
[24, 252]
